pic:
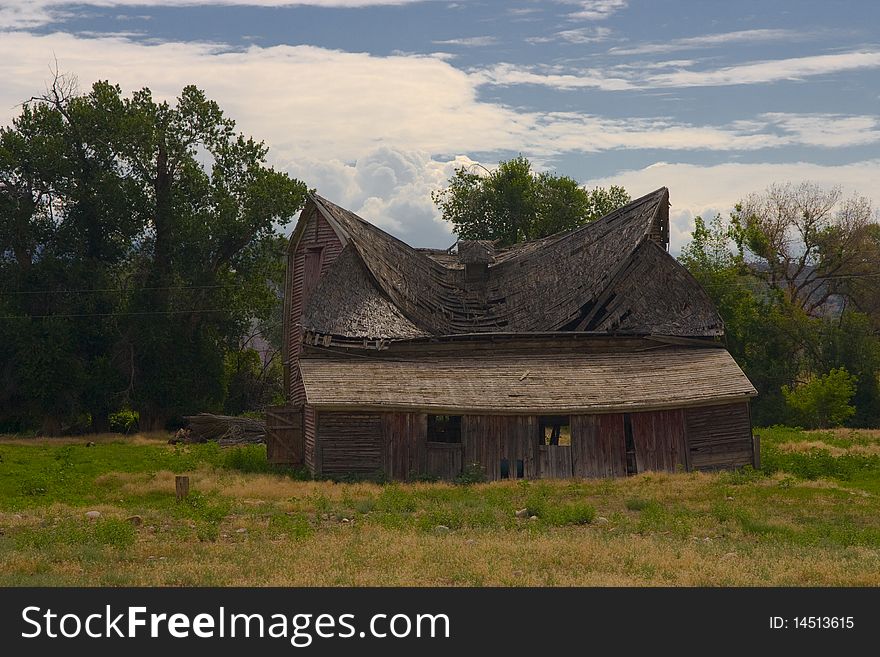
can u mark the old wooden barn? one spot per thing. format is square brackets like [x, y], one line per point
[591, 353]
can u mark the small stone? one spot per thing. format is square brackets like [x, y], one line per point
[470, 541]
[728, 498]
[601, 519]
[90, 444]
[522, 513]
[441, 529]
[707, 540]
[150, 557]
[345, 520]
[224, 535]
[163, 558]
[517, 573]
[93, 515]
[533, 517]
[137, 521]
[241, 530]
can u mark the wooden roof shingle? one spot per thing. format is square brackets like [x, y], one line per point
[546, 384]
[583, 279]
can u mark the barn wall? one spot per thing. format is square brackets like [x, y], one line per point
[320, 246]
[309, 452]
[598, 445]
[350, 443]
[395, 444]
[719, 436]
[487, 439]
[660, 441]
[404, 435]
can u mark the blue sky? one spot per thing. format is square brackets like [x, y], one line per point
[375, 103]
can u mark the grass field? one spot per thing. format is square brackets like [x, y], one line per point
[810, 517]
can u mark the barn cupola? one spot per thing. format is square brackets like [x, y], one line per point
[476, 255]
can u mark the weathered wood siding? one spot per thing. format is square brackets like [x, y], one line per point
[719, 436]
[284, 435]
[554, 461]
[316, 250]
[350, 443]
[443, 460]
[660, 440]
[370, 443]
[488, 439]
[404, 440]
[309, 451]
[598, 445]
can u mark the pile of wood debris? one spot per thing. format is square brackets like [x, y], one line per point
[228, 431]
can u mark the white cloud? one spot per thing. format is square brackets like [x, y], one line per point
[595, 10]
[579, 35]
[793, 68]
[709, 40]
[389, 187]
[23, 14]
[377, 134]
[696, 190]
[477, 41]
[308, 100]
[634, 76]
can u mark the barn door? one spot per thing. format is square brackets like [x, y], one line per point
[284, 435]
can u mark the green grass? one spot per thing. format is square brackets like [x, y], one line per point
[810, 516]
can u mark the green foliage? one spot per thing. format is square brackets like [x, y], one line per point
[124, 421]
[513, 204]
[251, 383]
[824, 401]
[143, 238]
[637, 504]
[771, 335]
[472, 473]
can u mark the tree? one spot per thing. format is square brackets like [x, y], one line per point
[763, 332]
[513, 204]
[823, 402]
[773, 338]
[140, 239]
[806, 240]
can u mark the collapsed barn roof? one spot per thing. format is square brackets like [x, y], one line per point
[612, 275]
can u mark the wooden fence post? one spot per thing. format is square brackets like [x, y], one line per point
[181, 485]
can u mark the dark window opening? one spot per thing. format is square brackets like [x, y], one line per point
[444, 428]
[630, 445]
[554, 430]
[505, 469]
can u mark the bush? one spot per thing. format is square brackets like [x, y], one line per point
[824, 401]
[124, 421]
[472, 473]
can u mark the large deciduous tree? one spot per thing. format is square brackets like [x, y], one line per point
[512, 203]
[138, 242]
[793, 275]
[806, 240]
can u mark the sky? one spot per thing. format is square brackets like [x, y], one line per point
[375, 102]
